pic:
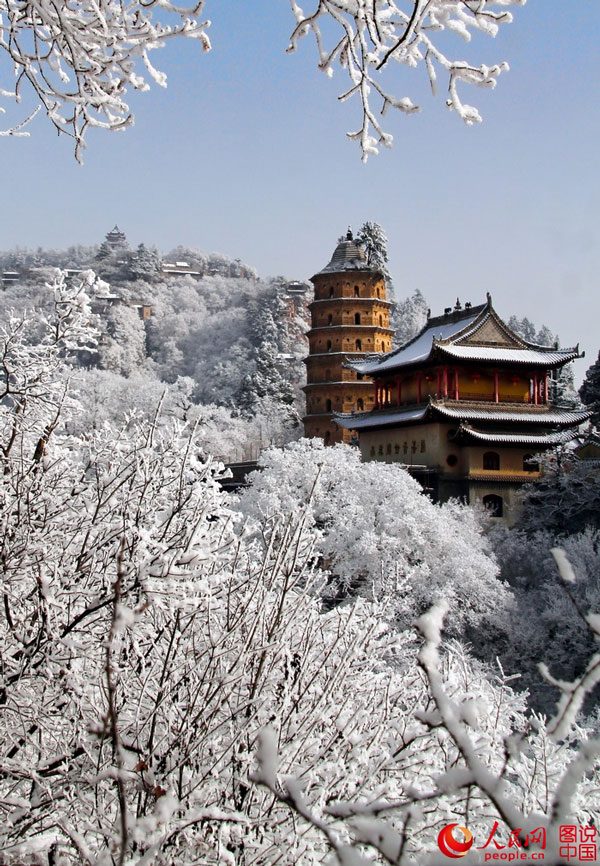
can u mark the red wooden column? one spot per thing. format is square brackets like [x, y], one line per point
[419, 387]
[438, 392]
[535, 388]
[496, 396]
[456, 383]
[546, 387]
[445, 381]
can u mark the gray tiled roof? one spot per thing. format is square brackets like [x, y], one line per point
[347, 256]
[522, 413]
[509, 437]
[492, 412]
[543, 356]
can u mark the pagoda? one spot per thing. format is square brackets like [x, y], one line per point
[466, 407]
[116, 239]
[349, 320]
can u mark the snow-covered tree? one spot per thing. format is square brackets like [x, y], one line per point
[517, 789]
[408, 317]
[366, 37]
[266, 380]
[547, 621]
[565, 500]
[123, 345]
[373, 240]
[34, 350]
[144, 263]
[80, 60]
[147, 636]
[590, 390]
[379, 536]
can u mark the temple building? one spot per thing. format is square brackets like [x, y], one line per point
[465, 406]
[349, 320]
[116, 239]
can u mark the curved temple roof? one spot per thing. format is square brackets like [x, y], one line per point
[509, 437]
[533, 357]
[470, 334]
[491, 413]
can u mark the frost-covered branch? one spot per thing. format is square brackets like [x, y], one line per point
[372, 33]
[81, 58]
[519, 782]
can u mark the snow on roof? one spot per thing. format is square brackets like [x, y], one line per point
[511, 438]
[419, 348]
[546, 358]
[521, 414]
[525, 415]
[361, 420]
[347, 256]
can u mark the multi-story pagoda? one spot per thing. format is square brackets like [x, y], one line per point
[465, 405]
[349, 319]
[116, 239]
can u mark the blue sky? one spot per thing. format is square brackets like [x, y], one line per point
[245, 153]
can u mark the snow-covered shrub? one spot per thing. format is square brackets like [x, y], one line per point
[517, 787]
[547, 623]
[381, 537]
[147, 636]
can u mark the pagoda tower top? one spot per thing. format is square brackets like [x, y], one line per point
[347, 256]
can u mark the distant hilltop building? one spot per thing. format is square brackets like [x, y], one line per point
[349, 320]
[116, 239]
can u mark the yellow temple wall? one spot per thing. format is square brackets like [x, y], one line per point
[345, 285]
[428, 445]
[345, 341]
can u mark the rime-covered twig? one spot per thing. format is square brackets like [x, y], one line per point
[373, 33]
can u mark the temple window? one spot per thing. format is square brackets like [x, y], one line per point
[381, 449]
[329, 319]
[491, 460]
[359, 376]
[405, 447]
[357, 318]
[422, 445]
[451, 460]
[327, 437]
[396, 448]
[380, 321]
[356, 292]
[329, 345]
[372, 451]
[494, 505]
[328, 405]
[358, 346]
[331, 291]
[360, 405]
[530, 464]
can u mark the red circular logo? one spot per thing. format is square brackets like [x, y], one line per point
[449, 844]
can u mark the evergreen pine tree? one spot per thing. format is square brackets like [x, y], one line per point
[408, 317]
[590, 391]
[373, 240]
